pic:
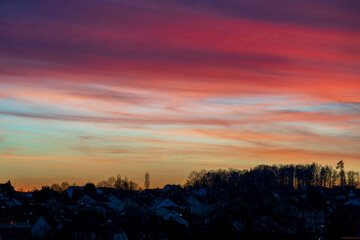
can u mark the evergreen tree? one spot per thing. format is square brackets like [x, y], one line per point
[147, 180]
[340, 165]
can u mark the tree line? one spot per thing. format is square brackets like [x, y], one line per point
[290, 175]
[112, 182]
[119, 183]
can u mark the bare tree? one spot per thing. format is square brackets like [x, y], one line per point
[64, 186]
[353, 178]
[340, 165]
[56, 187]
[147, 180]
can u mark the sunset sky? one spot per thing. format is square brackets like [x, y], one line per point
[90, 89]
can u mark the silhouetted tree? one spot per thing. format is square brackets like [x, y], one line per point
[101, 184]
[64, 186]
[45, 194]
[108, 183]
[147, 180]
[353, 178]
[125, 184]
[327, 179]
[133, 185]
[340, 165]
[118, 182]
[334, 177]
[263, 178]
[56, 187]
[8, 188]
[322, 180]
[89, 188]
[300, 175]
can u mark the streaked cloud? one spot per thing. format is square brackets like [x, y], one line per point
[172, 86]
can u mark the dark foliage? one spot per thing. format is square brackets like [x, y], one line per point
[89, 188]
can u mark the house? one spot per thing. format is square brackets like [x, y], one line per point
[128, 203]
[195, 203]
[24, 195]
[72, 189]
[41, 229]
[28, 195]
[201, 192]
[164, 203]
[314, 220]
[151, 193]
[264, 223]
[339, 190]
[238, 225]
[175, 216]
[9, 203]
[85, 200]
[105, 191]
[114, 199]
[351, 194]
[12, 202]
[182, 221]
[173, 190]
[14, 231]
[99, 191]
[171, 214]
[198, 208]
[98, 209]
[120, 235]
[352, 202]
[162, 211]
[114, 203]
[17, 202]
